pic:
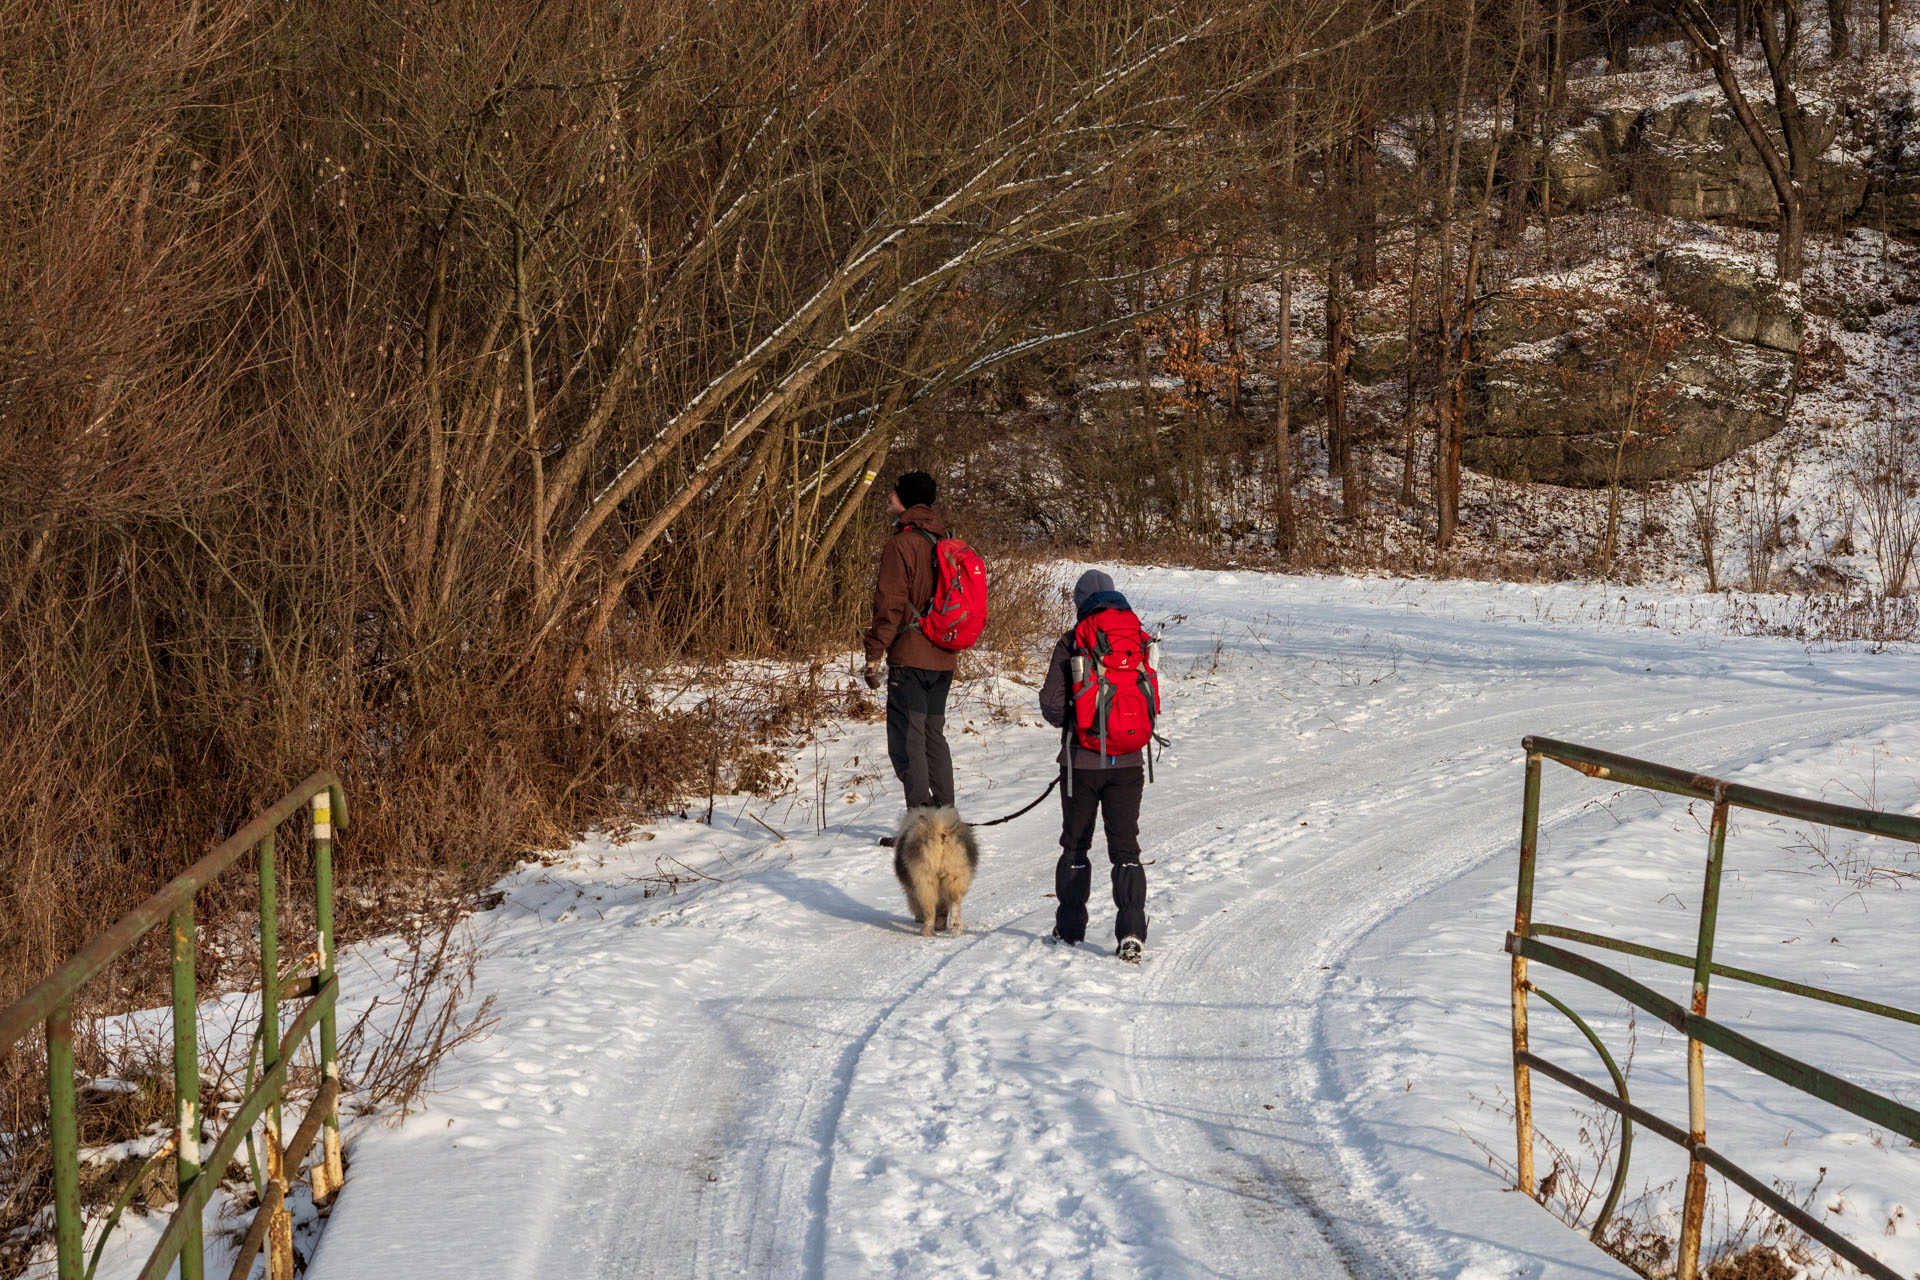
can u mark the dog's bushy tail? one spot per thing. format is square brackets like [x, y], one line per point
[948, 831]
[934, 857]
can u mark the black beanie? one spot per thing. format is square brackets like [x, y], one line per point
[914, 488]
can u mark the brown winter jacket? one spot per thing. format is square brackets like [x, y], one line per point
[902, 591]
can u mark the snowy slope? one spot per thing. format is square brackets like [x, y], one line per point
[767, 1072]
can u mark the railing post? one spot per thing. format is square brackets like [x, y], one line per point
[280, 1221]
[329, 1173]
[63, 1119]
[48, 1007]
[1693, 1216]
[186, 1085]
[1522, 923]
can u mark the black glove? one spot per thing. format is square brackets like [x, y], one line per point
[872, 676]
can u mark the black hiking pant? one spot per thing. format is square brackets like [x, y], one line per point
[1113, 795]
[917, 734]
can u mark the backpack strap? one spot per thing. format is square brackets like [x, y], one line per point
[921, 612]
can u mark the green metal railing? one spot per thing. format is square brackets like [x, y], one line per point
[197, 1174]
[1525, 944]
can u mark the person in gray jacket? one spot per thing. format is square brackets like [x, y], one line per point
[1107, 787]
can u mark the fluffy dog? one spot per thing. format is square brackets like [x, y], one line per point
[934, 855]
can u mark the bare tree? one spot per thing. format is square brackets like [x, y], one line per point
[1887, 483]
[379, 385]
[1778, 22]
[1703, 512]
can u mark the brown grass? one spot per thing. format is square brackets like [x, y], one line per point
[1757, 1262]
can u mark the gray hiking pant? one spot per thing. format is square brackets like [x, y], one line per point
[917, 734]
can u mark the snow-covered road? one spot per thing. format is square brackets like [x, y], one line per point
[771, 1074]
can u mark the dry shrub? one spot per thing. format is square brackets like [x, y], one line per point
[1829, 618]
[1886, 480]
[1028, 610]
[26, 1168]
[126, 1114]
[1761, 1245]
[1756, 1245]
[1578, 1174]
[1823, 362]
[389, 1056]
[355, 370]
[1756, 1262]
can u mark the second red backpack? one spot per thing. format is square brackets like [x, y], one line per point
[957, 612]
[1116, 691]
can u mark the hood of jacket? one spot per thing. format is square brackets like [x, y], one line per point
[1090, 583]
[1100, 600]
[922, 516]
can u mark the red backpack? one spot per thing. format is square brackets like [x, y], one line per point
[956, 613]
[1116, 691]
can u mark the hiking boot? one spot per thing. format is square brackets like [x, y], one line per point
[1058, 939]
[1129, 950]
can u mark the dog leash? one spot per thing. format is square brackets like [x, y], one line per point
[1056, 782]
[1017, 812]
[886, 842]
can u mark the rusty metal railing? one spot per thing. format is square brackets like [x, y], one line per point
[51, 1004]
[1525, 944]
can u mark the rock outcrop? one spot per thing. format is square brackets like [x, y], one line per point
[1580, 168]
[1737, 301]
[1728, 385]
[1687, 157]
[1893, 181]
[1380, 348]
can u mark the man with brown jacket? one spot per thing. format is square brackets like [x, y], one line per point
[919, 672]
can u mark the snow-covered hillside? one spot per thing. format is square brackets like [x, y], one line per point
[768, 1072]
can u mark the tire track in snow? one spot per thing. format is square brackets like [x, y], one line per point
[1279, 1191]
[816, 1246]
[763, 1153]
[1335, 1177]
[814, 1034]
[1232, 1134]
[1015, 1134]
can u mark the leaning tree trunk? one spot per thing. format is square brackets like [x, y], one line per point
[1788, 173]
